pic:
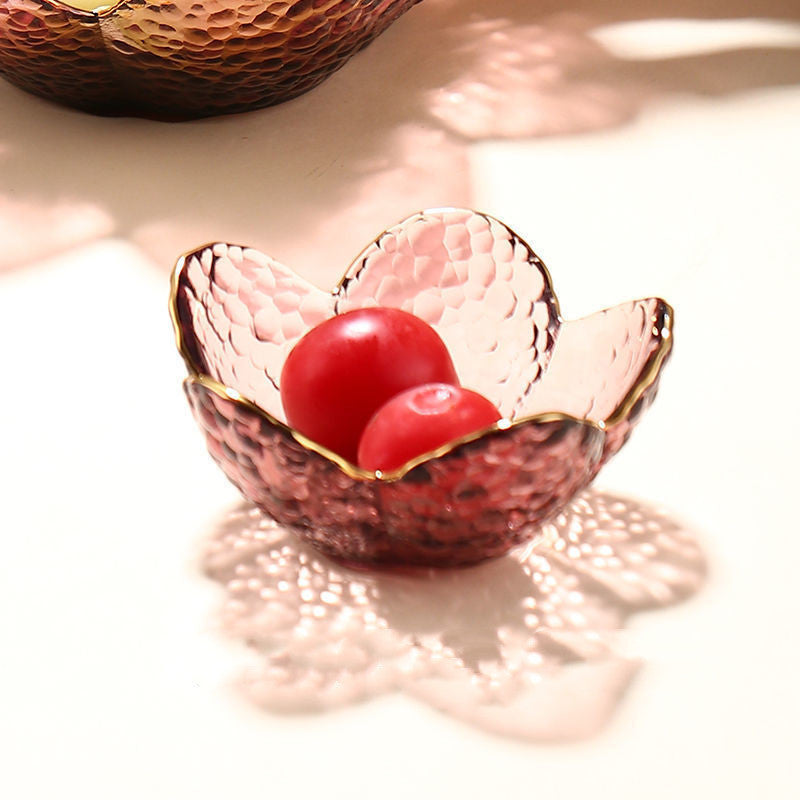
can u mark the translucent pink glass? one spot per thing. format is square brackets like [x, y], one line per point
[526, 645]
[570, 391]
[184, 58]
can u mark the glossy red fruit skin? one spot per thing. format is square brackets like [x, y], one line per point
[419, 420]
[341, 372]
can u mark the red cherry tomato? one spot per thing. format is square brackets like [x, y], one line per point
[420, 420]
[341, 372]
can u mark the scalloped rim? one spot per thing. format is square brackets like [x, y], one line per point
[663, 324]
[354, 471]
[662, 327]
[351, 273]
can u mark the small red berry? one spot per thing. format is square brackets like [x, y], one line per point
[419, 420]
[341, 372]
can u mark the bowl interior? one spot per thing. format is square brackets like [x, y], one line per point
[239, 313]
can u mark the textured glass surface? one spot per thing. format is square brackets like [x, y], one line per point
[184, 58]
[598, 365]
[474, 280]
[572, 391]
[469, 276]
[525, 646]
[477, 501]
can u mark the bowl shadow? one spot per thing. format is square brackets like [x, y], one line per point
[523, 646]
[309, 180]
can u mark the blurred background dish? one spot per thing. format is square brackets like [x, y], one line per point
[182, 58]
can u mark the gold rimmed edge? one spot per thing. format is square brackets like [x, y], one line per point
[651, 369]
[174, 280]
[647, 377]
[97, 10]
[355, 472]
[357, 264]
[352, 270]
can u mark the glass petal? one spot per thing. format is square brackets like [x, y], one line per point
[239, 314]
[605, 367]
[475, 281]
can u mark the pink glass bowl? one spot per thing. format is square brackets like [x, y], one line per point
[183, 58]
[570, 392]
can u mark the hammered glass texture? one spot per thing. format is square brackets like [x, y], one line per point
[525, 645]
[484, 291]
[598, 361]
[241, 313]
[238, 314]
[184, 58]
[55, 52]
[478, 284]
[475, 502]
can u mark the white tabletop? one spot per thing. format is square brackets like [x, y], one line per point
[639, 155]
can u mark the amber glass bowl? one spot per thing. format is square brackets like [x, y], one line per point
[183, 58]
[569, 392]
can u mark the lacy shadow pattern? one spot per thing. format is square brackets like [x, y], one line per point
[522, 646]
[389, 132]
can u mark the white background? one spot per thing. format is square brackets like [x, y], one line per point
[647, 149]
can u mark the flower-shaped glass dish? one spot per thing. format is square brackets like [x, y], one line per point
[569, 392]
[182, 58]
